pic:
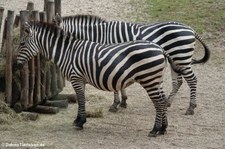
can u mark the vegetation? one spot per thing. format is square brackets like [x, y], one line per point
[202, 15]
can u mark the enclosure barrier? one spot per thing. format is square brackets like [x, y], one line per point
[39, 80]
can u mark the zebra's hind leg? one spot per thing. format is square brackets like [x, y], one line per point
[123, 103]
[79, 88]
[176, 84]
[164, 115]
[158, 98]
[116, 102]
[191, 79]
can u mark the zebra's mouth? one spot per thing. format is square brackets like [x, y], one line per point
[19, 64]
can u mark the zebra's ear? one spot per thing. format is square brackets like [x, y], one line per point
[27, 29]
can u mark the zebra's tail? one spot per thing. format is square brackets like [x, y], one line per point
[207, 51]
[175, 68]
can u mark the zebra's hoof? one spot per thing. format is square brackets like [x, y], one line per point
[190, 112]
[123, 105]
[78, 128]
[152, 134]
[162, 132]
[79, 122]
[113, 109]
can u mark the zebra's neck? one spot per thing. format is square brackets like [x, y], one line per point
[49, 39]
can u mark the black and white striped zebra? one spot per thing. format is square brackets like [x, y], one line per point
[175, 38]
[106, 67]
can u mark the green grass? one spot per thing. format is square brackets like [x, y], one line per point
[202, 15]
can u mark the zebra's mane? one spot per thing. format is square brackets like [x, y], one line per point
[84, 16]
[47, 26]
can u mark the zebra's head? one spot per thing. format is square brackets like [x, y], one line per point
[58, 21]
[27, 47]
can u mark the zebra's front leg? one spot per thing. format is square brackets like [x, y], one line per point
[123, 103]
[79, 88]
[116, 102]
[176, 84]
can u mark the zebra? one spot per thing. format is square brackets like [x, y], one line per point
[106, 67]
[177, 39]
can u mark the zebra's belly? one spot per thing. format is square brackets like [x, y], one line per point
[112, 86]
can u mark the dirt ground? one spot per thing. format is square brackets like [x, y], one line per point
[128, 128]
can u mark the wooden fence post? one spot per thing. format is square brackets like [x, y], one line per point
[43, 65]
[1, 16]
[24, 14]
[50, 11]
[31, 65]
[50, 15]
[60, 79]
[17, 21]
[9, 56]
[4, 35]
[30, 6]
[37, 88]
[58, 7]
[45, 5]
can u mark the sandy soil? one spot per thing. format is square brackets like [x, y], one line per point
[128, 128]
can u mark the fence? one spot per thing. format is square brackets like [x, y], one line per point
[39, 80]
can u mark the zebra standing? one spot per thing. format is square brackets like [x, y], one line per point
[177, 39]
[109, 68]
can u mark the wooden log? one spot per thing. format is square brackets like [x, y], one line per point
[28, 116]
[72, 98]
[57, 103]
[44, 109]
[9, 56]
[58, 7]
[37, 89]
[17, 21]
[24, 98]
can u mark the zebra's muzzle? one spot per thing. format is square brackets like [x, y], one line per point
[18, 65]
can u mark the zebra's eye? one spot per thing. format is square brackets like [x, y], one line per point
[22, 43]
